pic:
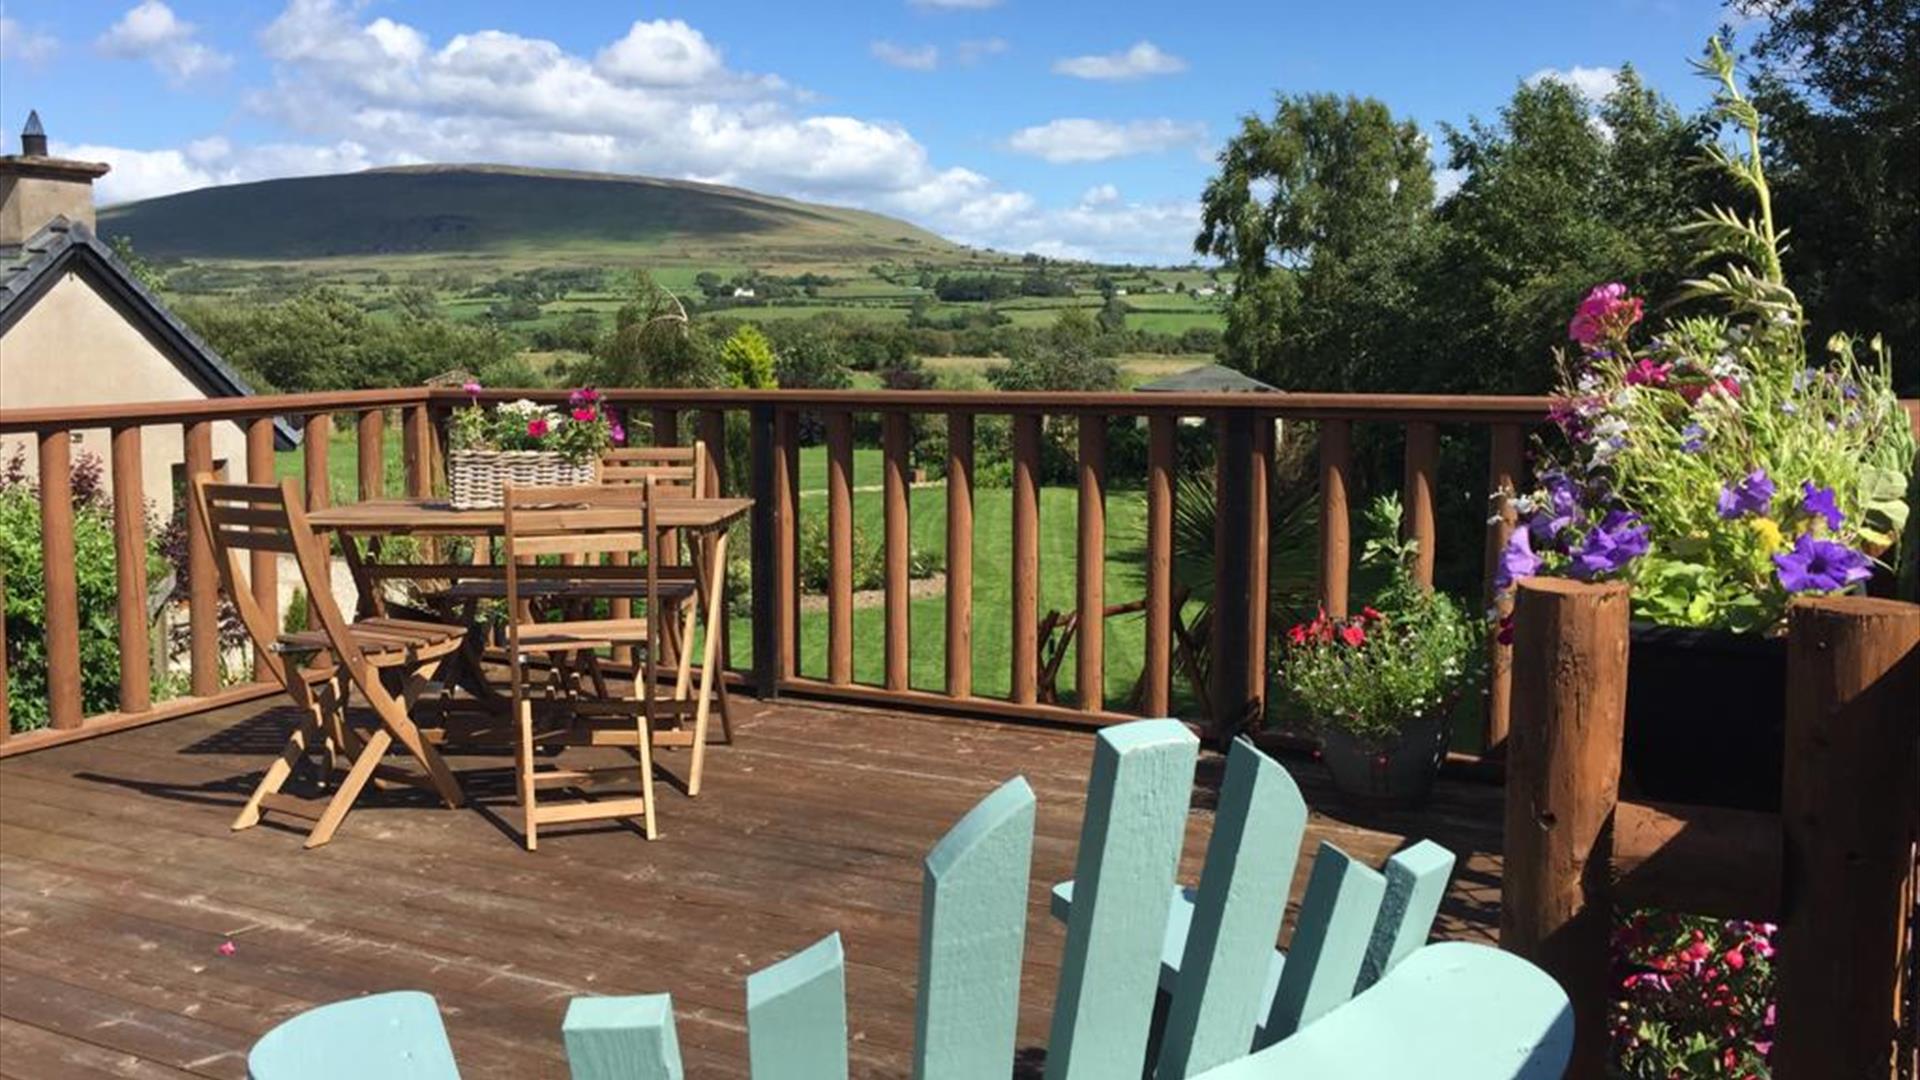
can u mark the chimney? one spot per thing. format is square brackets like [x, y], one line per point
[35, 187]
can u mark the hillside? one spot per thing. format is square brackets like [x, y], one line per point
[552, 215]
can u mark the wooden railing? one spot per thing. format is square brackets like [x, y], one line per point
[1243, 441]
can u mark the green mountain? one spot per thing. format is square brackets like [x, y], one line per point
[549, 214]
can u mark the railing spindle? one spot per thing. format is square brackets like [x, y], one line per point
[666, 426]
[840, 547]
[62, 589]
[896, 437]
[786, 490]
[713, 432]
[317, 439]
[1423, 453]
[1336, 456]
[959, 554]
[373, 455]
[1156, 700]
[203, 586]
[1090, 658]
[263, 568]
[1503, 473]
[1026, 558]
[1261, 551]
[130, 570]
[1232, 573]
[417, 450]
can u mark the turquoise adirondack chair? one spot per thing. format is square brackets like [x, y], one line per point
[1357, 996]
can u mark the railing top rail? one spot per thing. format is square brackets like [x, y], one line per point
[57, 417]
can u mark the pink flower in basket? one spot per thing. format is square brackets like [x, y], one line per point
[537, 427]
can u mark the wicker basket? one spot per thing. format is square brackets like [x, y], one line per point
[477, 479]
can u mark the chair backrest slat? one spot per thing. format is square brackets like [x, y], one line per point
[973, 920]
[1416, 883]
[1237, 915]
[677, 471]
[622, 1038]
[1329, 942]
[797, 1015]
[1123, 883]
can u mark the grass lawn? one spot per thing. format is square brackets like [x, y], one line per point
[343, 464]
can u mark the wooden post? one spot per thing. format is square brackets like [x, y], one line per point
[959, 555]
[203, 583]
[373, 455]
[418, 451]
[130, 570]
[1563, 780]
[786, 539]
[317, 439]
[1232, 573]
[1157, 699]
[1091, 598]
[766, 482]
[1847, 803]
[840, 547]
[62, 588]
[1423, 455]
[1503, 474]
[713, 432]
[263, 567]
[1258, 585]
[896, 436]
[1336, 454]
[1026, 559]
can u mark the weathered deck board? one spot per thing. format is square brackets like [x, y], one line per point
[119, 881]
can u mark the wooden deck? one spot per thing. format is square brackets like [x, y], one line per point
[119, 881]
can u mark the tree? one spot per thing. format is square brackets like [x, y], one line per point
[654, 343]
[1113, 315]
[1320, 200]
[1839, 93]
[748, 358]
[1068, 357]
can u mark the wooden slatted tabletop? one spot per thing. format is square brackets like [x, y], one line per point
[436, 516]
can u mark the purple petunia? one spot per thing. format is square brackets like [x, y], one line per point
[1694, 438]
[1619, 539]
[1816, 565]
[1560, 511]
[1752, 494]
[1819, 502]
[1517, 560]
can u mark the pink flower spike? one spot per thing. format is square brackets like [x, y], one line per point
[472, 388]
[227, 948]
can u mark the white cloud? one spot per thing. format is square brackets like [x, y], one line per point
[1143, 59]
[17, 42]
[910, 57]
[144, 174]
[1103, 226]
[150, 31]
[664, 52]
[975, 50]
[954, 5]
[1446, 182]
[1100, 195]
[1077, 139]
[1592, 83]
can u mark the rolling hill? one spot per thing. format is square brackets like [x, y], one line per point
[554, 215]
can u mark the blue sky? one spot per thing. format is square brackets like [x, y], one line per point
[1081, 129]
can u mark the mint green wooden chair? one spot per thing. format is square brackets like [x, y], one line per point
[1357, 996]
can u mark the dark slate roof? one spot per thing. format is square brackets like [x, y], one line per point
[1208, 378]
[28, 271]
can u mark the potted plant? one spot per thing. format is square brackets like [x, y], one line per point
[526, 444]
[1719, 469]
[1380, 686]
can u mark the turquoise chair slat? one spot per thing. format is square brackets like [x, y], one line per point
[973, 921]
[1450, 1011]
[797, 1015]
[1416, 883]
[1329, 942]
[622, 1038]
[394, 1036]
[1130, 842]
[1236, 916]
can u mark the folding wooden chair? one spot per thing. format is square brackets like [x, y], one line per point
[392, 661]
[545, 521]
[677, 472]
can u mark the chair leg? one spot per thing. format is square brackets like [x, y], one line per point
[645, 747]
[309, 727]
[356, 779]
[396, 721]
[523, 765]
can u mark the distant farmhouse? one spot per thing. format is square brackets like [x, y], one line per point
[78, 328]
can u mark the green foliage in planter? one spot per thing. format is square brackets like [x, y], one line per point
[1410, 652]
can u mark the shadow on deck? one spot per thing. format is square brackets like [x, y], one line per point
[119, 881]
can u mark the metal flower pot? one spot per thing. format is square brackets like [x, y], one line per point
[1400, 773]
[1706, 716]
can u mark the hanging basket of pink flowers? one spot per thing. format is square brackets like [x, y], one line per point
[525, 444]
